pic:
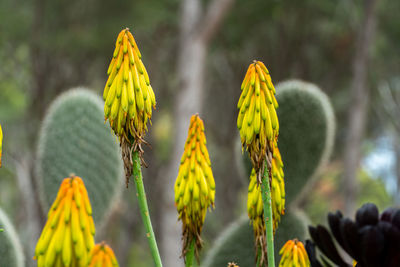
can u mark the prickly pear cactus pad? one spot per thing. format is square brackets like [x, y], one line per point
[293, 225]
[235, 244]
[307, 132]
[75, 139]
[11, 253]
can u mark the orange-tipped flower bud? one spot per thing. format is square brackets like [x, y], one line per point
[68, 236]
[257, 120]
[102, 256]
[195, 185]
[128, 95]
[294, 254]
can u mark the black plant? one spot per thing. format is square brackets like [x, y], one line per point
[371, 240]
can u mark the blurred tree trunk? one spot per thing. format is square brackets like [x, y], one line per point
[358, 106]
[31, 215]
[197, 29]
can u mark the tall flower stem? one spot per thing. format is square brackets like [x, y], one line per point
[266, 197]
[144, 209]
[259, 258]
[190, 255]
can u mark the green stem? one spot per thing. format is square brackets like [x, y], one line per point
[266, 197]
[190, 255]
[144, 209]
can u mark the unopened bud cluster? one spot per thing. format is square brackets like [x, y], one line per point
[68, 235]
[128, 95]
[257, 119]
[294, 254]
[102, 256]
[195, 185]
[254, 200]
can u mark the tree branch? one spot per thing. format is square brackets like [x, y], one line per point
[216, 12]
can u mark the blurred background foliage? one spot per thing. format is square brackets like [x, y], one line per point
[47, 47]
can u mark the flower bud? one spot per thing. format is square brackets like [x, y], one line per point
[257, 120]
[294, 254]
[68, 235]
[128, 95]
[195, 185]
[102, 256]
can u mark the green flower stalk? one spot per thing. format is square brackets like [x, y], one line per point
[129, 100]
[254, 200]
[259, 129]
[194, 188]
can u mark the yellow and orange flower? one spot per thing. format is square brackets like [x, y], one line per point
[294, 254]
[68, 236]
[195, 185]
[102, 256]
[257, 120]
[277, 186]
[255, 209]
[128, 95]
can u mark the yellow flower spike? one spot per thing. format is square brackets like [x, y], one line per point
[257, 120]
[68, 236]
[294, 254]
[194, 186]
[102, 256]
[1, 142]
[254, 200]
[128, 95]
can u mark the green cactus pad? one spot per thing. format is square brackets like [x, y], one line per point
[11, 252]
[236, 243]
[293, 225]
[306, 132]
[75, 139]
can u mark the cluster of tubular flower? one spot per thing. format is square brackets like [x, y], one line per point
[102, 256]
[68, 235]
[294, 254]
[254, 200]
[67, 239]
[195, 185]
[257, 120]
[277, 186]
[259, 129]
[128, 95]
